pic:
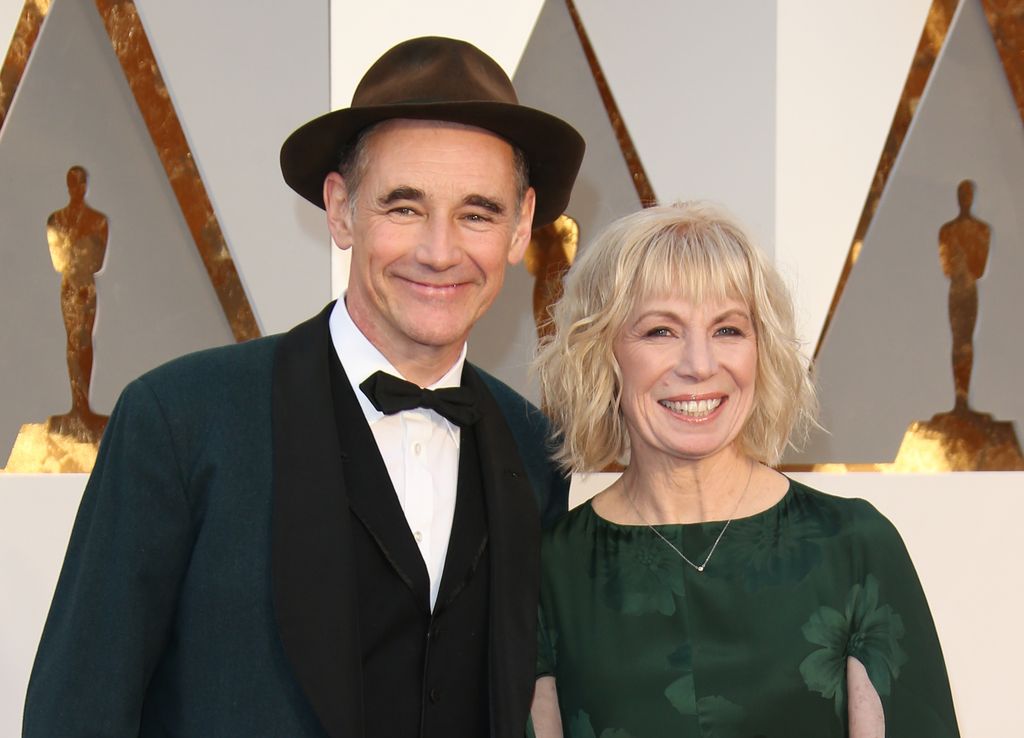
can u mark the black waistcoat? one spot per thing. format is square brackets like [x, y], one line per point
[423, 674]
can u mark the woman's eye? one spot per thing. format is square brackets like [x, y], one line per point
[728, 331]
[659, 331]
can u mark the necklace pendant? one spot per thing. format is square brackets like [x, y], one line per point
[680, 554]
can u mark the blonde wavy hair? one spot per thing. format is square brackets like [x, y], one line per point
[691, 249]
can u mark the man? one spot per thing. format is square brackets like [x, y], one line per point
[276, 540]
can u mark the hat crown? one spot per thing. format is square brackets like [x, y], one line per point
[442, 79]
[433, 69]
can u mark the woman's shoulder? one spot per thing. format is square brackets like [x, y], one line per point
[567, 542]
[853, 514]
[571, 527]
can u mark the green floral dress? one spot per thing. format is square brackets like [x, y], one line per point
[642, 645]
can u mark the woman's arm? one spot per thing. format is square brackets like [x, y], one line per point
[864, 707]
[896, 679]
[547, 721]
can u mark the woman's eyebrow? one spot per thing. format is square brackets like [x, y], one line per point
[733, 313]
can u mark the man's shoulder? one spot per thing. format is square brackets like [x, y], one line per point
[532, 433]
[239, 376]
[211, 369]
[518, 411]
[249, 359]
[193, 388]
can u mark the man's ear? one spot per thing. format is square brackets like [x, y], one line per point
[339, 212]
[524, 228]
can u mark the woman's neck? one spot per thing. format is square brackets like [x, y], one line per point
[664, 490]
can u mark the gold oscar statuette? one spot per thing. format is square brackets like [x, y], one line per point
[77, 237]
[961, 439]
[550, 254]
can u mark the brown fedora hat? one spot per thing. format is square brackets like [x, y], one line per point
[434, 78]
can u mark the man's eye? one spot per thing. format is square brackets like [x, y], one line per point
[402, 211]
[478, 218]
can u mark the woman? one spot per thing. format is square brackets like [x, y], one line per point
[703, 593]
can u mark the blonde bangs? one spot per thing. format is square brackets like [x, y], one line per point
[695, 261]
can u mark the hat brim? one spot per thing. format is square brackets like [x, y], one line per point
[553, 148]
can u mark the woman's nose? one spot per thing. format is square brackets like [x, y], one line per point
[697, 359]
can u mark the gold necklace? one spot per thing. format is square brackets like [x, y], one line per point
[698, 567]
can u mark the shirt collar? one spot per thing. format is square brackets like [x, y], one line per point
[360, 358]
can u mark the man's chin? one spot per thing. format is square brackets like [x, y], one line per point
[438, 325]
[438, 340]
[435, 329]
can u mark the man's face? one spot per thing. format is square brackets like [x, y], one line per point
[435, 223]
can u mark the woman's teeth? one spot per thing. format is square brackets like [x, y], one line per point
[693, 408]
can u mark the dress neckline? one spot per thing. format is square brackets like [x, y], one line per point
[772, 510]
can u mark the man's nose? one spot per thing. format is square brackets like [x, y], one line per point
[440, 247]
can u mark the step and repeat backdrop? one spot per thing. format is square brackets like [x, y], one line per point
[874, 150]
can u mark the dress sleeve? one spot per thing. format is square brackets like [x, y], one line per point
[893, 635]
[115, 598]
[545, 646]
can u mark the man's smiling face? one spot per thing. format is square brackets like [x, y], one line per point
[436, 219]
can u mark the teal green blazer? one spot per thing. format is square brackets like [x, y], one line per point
[208, 588]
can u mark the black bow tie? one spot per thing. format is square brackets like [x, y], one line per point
[391, 395]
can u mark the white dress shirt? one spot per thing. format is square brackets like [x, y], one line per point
[419, 447]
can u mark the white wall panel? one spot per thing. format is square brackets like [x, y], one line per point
[841, 68]
[236, 103]
[890, 336]
[248, 75]
[154, 296]
[9, 12]
[361, 32]
[695, 82]
[36, 514]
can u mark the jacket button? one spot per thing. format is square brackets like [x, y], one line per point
[435, 695]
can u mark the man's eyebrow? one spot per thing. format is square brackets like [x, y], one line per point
[402, 192]
[486, 203]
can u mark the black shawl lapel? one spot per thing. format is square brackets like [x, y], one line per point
[514, 540]
[371, 494]
[312, 564]
[469, 525]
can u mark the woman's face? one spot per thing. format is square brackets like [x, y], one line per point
[688, 375]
